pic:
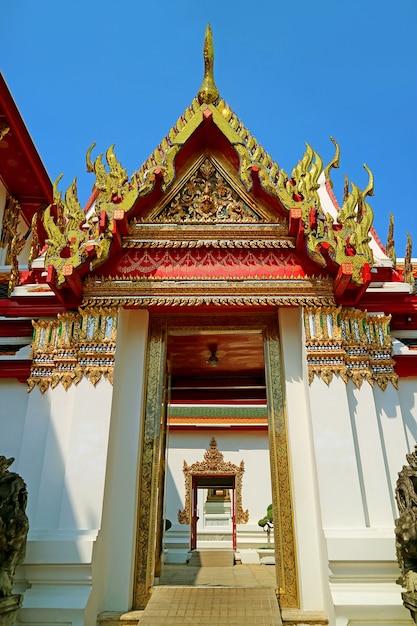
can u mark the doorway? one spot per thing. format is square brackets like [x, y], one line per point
[213, 507]
[150, 510]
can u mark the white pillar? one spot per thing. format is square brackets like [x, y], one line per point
[340, 489]
[63, 460]
[311, 550]
[13, 409]
[407, 391]
[114, 557]
[377, 497]
[393, 437]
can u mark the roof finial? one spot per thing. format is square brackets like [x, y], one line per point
[208, 92]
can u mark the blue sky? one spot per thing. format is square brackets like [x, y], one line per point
[293, 71]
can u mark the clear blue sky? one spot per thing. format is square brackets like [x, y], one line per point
[293, 71]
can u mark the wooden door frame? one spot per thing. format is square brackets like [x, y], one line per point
[285, 552]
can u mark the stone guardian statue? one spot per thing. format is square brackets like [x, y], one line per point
[14, 526]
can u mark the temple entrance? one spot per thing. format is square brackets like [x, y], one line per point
[213, 508]
[198, 404]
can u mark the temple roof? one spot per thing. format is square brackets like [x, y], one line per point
[332, 240]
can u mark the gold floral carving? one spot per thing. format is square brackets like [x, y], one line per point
[10, 221]
[143, 292]
[213, 465]
[72, 346]
[223, 244]
[286, 561]
[207, 197]
[12, 240]
[351, 343]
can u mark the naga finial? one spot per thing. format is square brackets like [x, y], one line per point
[408, 274]
[208, 93]
[390, 246]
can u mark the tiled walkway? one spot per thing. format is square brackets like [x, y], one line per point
[212, 596]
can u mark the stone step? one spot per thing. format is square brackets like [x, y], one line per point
[212, 558]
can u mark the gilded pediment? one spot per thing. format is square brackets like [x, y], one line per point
[210, 196]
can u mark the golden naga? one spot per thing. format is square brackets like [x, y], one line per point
[347, 239]
[109, 184]
[64, 221]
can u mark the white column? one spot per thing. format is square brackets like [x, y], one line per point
[13, 409]
[82, 498]
[340, 490]
[310, 544]
[370, 459]
[393, 437]
[63, 460]
[407, 391]
[114, 558]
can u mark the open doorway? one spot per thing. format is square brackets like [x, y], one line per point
[226, 399]
[213, 506]
[217, 408]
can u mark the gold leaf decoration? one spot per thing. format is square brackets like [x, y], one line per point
[72, 346]
[350, 343]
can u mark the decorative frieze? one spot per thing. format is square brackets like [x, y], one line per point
[72, 346]
[351, 343]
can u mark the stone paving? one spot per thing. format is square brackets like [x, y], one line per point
[211, 596]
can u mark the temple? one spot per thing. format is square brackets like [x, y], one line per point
[203, 337]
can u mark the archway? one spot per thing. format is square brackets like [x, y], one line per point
[153, 448]
[221, 478]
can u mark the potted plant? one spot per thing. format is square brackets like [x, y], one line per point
[267, 555]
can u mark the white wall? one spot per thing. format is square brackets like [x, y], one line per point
[114, 555]
[62, 458]
[361, 437]
[13, 410]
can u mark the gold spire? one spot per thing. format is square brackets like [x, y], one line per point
[390, 247]
[208, 93]
[408, 276]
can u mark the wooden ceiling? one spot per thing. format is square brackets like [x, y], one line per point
[217, 367]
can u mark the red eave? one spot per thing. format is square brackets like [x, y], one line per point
[391, 303]
[37, 186]
[16, 328]
[31, 308]
[406, 365]
[15, 369]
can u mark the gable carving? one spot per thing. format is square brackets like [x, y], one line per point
[207, 197]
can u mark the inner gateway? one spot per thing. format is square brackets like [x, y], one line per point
[218, 481]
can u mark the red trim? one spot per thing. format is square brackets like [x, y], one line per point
[15, 369]
[406, 365]
[16, 328]
[245, 427]
[33, 307]
[333, 198]
[25, 140]
[394, 303]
